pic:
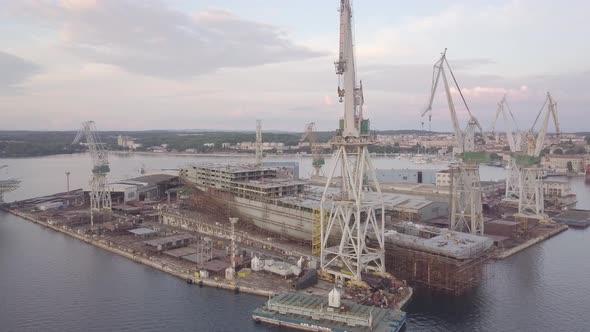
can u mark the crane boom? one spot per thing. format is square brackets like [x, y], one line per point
[98, 153]
[503, 108]
[551, 112]
[100, 194]
[345, 67]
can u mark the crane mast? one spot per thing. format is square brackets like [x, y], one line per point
[100, 194]
[466, 206]
[317, 160]
[531, 198]
[347, 215]
[512, 192]
[259, 154]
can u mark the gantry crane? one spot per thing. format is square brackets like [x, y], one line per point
[535, 142]
[317, 160]
[347, 215]
[513, 135]
[100, 194]
[514, 139]
[531, 199]
[7, 185]
[464, 139]
[466, 204]
[259, 154]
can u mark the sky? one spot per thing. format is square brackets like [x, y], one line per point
[198, 64]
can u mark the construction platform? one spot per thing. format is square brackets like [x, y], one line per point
[438, 259]
[312, 313]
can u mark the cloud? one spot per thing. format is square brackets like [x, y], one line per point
[78, 4]
[14, 71]
[148, 38]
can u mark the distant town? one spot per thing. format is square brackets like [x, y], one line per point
[564, 153]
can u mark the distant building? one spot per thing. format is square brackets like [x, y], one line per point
[443, 179]
[427, 176]
[558, 163]
[149, 187]
[127, 142]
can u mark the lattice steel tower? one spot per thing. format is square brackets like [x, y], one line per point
[348, 219]
[100, 193]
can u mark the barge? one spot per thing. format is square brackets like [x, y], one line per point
[314, 313]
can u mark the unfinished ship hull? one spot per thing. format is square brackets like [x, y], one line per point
[282, 221]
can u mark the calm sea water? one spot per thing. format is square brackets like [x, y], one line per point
[50, 282]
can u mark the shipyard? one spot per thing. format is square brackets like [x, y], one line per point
[336, 230]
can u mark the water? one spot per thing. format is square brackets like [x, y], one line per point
[51, 282]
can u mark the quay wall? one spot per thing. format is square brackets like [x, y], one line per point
[147, 261]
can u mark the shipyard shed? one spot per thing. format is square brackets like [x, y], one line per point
[421, 210]
[169, 242]
[144, 188]
[416, 176]
[152, 187]
[143, 232]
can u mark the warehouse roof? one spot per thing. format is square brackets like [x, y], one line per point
[142, 231]
[168, 239]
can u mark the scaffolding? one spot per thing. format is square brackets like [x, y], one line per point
[316, 233]
[434, 272]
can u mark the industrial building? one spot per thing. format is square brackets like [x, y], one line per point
[169, 242]
[556, 163]
[417, 176]
[144, 188]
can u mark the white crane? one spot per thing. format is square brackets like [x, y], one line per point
[531, 198]
[513, 136]
[347, 215]
[514, 143]
[464, 139]
[317, 160]
[259, 154]
[466, 205]
[535, 142]
[100, 194]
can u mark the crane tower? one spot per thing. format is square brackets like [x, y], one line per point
[317, 160]
[100, 194]
[514, 143]
[466, 204]
[348, 219]
[258, 143]
[531, 201]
